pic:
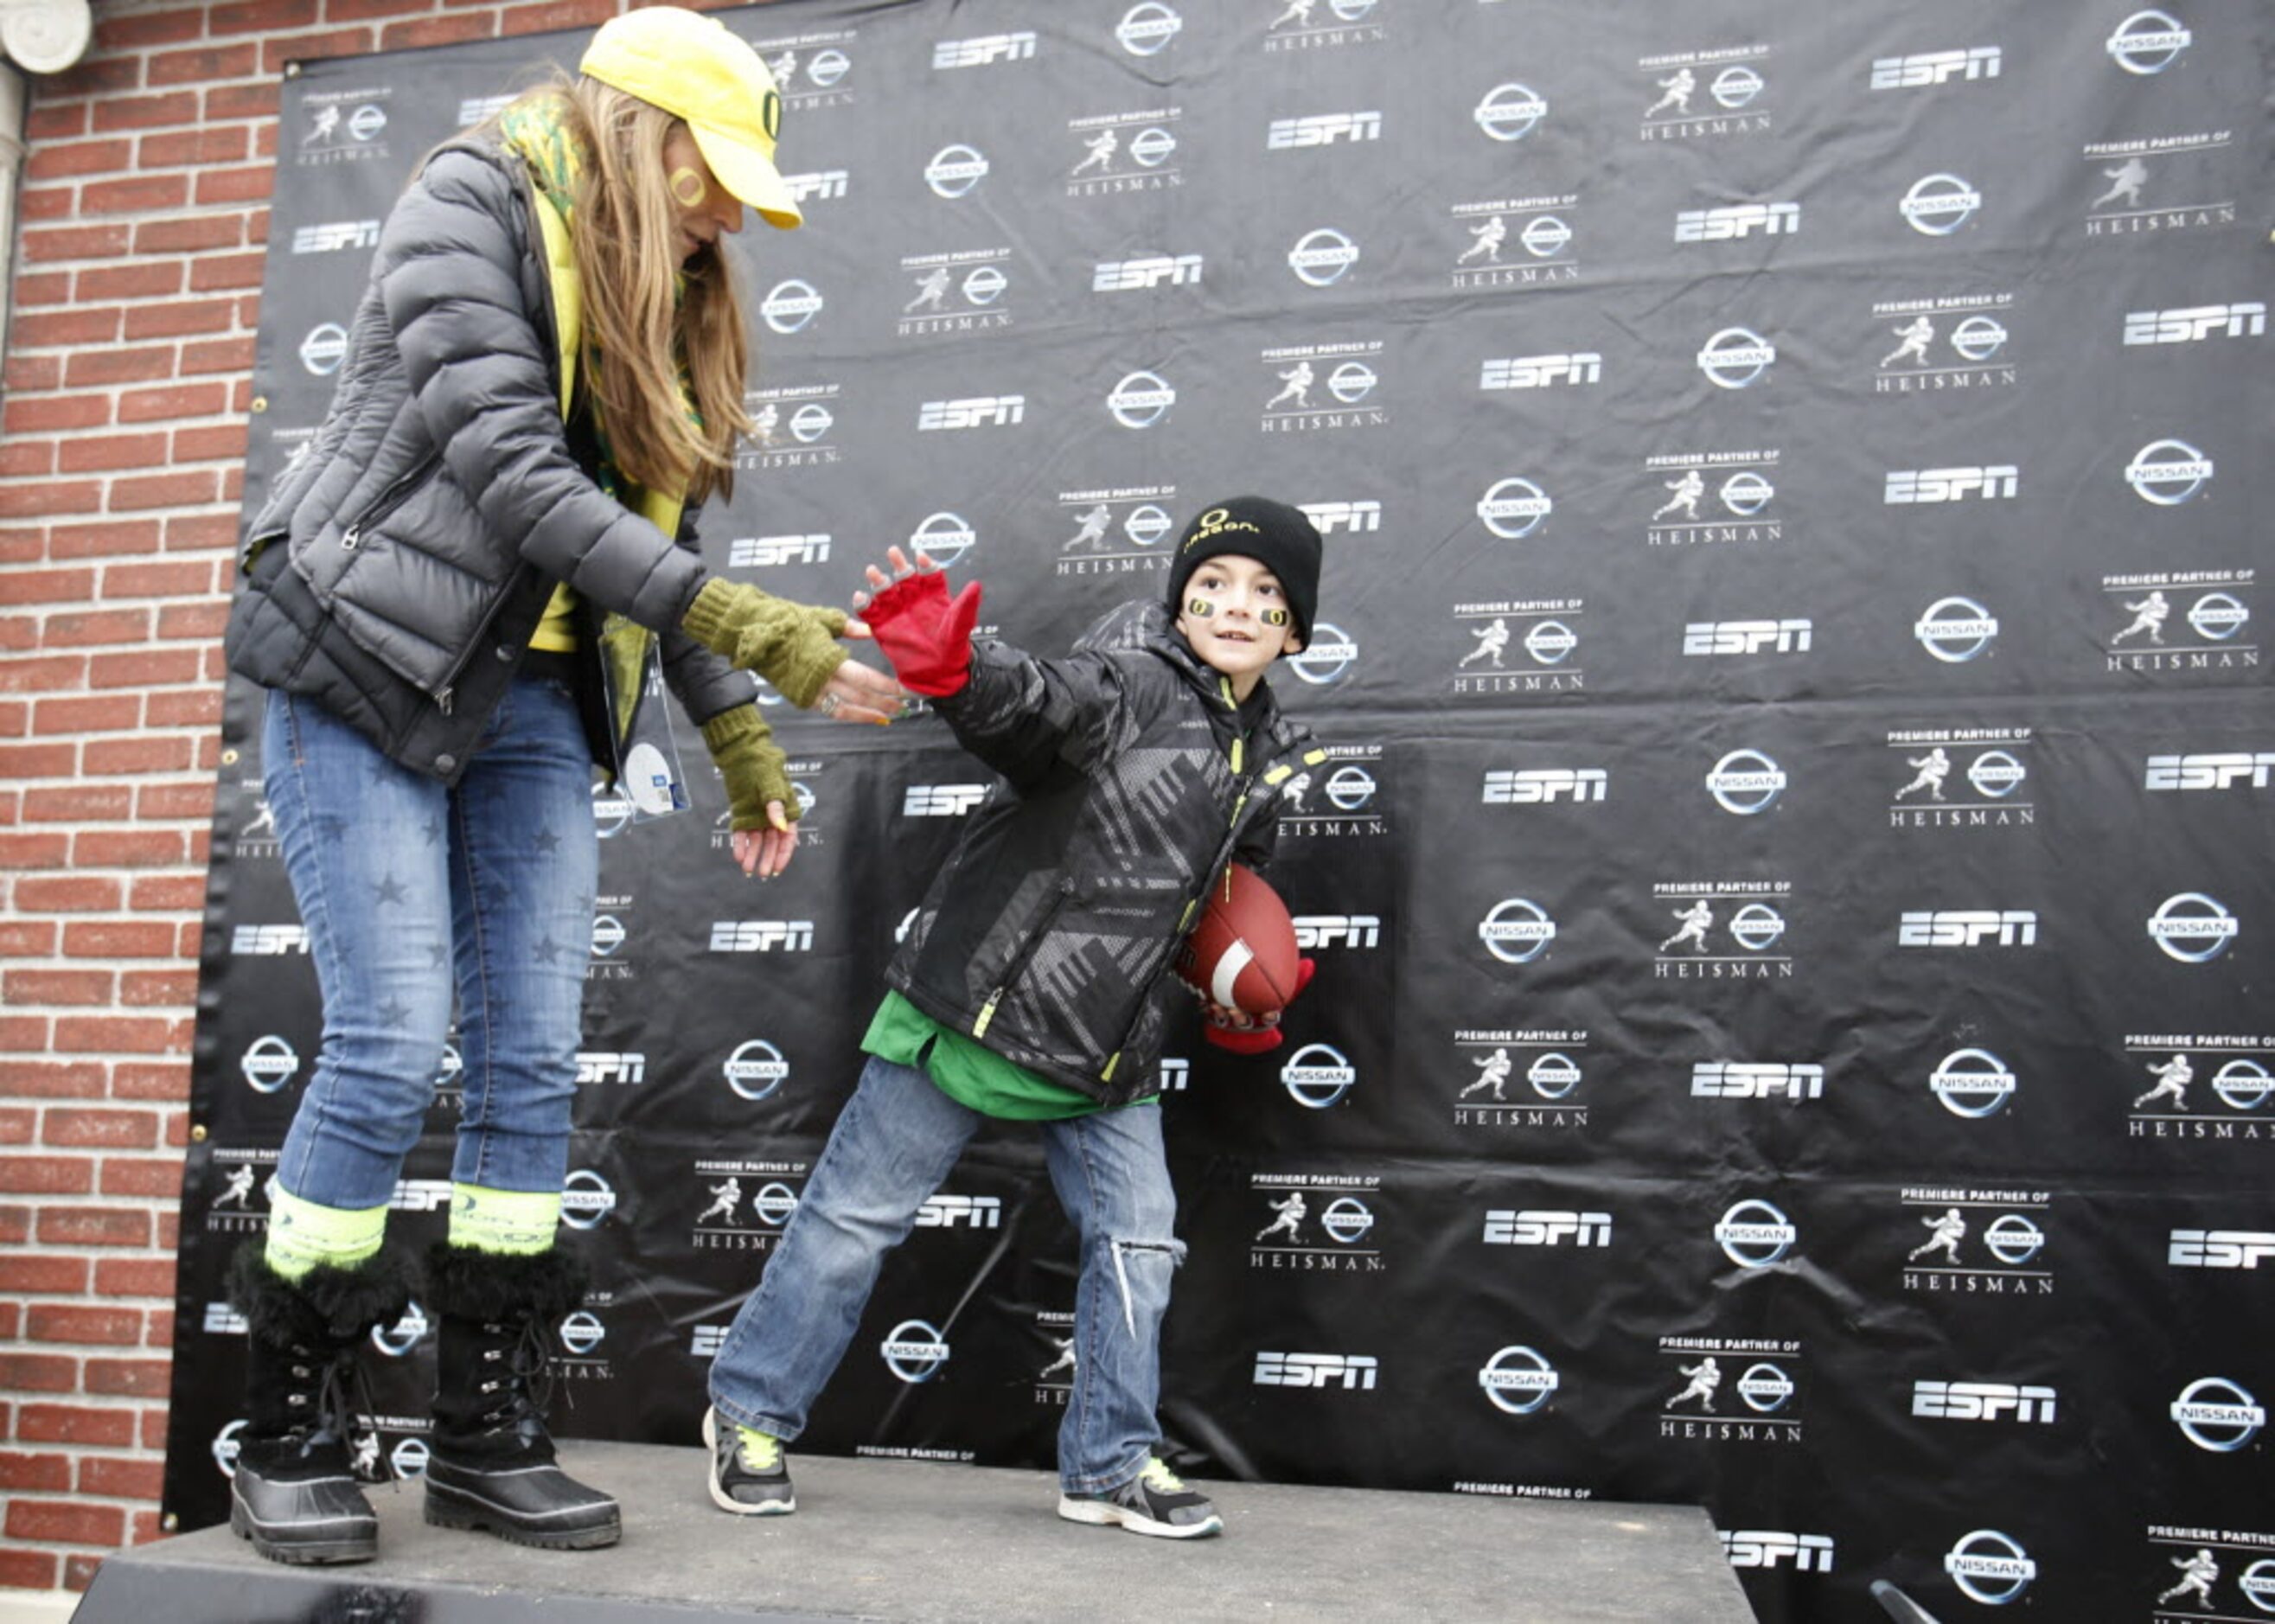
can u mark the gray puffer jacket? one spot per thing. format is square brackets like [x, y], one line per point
[1132, 778]
[396, 572]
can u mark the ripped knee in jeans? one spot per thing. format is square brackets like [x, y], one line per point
[1121, 1250]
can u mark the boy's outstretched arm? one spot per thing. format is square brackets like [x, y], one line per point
[1028, 719]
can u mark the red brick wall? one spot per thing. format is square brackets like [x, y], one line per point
[137, 293]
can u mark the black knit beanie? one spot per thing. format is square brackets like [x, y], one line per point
[1282, 539]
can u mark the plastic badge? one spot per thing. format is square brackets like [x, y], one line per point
[640, 732]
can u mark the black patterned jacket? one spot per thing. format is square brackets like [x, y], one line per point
[1129, 779]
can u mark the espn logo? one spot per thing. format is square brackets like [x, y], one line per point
[2209, 771]
[762, 936]
[1982, 1401]
[1355, 1372]
[707, 1342]
[1541, 786]
[1534, 1228]
[1934, 67]
[1337, 930]
[1924, 485]
[1732, 1079]
[1538, 371]
[335, 234]
[941, 800]
[1355, 517]
[1762, 1547]
[268, 940]
[961, 1211]
[2194, 324]
[1746, 636]
[222, 1321]
[595, 1066]
[1737, 220]
[760, 552]
[421, 1196]
[1969, 927]
[974, 411]
[2220, 1249]
[1322, 130]
[820, 185]
[983, 50]
[1121, 275]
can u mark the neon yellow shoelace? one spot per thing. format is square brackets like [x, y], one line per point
[1157, 1475]
[761, 1452]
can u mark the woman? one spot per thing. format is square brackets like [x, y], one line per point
[454, 598]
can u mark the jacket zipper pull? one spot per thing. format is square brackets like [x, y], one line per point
[442, 700]
[986, 1013]
[351, 538]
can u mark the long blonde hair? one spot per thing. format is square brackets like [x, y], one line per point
[646, 315]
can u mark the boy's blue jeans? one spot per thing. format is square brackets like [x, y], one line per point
[413, 892]
[894, 1142]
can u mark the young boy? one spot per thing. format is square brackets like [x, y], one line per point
[1034, 982]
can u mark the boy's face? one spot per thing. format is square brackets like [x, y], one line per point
[1235, 616]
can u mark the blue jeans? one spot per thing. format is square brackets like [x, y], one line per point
[414, 892]
[894, 1142]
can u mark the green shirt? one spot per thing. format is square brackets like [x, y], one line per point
[971, 1074]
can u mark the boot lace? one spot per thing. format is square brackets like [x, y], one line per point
[342, 1393]
[521, 1396]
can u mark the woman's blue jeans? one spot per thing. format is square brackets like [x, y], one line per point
[894, 1142]
[414, 894]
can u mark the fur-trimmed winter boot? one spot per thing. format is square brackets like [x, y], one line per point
[295, 1494]
[491, 1464]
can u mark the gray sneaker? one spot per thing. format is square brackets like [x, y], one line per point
[749, 1479]
[1155, 1501]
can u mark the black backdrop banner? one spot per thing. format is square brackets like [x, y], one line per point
[1791, 877]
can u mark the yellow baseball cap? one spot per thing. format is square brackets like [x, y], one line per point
[694, 66]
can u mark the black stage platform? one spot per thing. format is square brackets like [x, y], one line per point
[894, 1540]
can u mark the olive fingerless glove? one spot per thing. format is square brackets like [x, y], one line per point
[742, 747]
[793, 646]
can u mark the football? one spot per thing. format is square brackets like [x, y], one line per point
[1243, 954]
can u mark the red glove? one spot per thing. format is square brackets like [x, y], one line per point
[1242, 1039]
[924, 634]
[1258, 1039]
